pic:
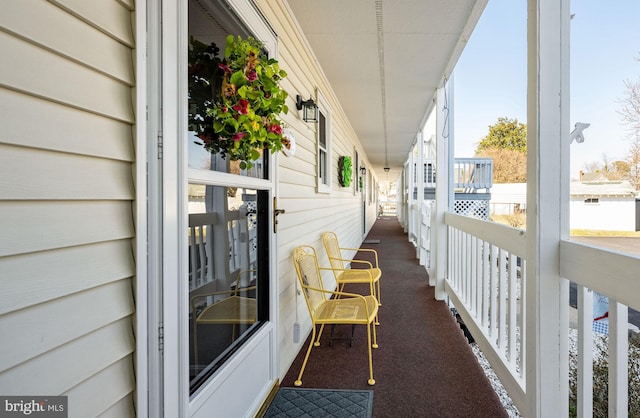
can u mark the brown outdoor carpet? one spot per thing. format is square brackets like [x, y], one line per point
[424, 366]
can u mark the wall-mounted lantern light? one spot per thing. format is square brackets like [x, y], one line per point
[363, 170]
[309, 109]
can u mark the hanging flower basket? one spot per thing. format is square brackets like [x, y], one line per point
[235, 103]
[345, 171]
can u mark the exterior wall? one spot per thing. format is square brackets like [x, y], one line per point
[609, 214]
[309, 213]
[506, 197]
[66, 203]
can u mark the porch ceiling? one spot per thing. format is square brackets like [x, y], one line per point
[385, 59]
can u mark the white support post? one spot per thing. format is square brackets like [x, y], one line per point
[405, 196]
[547, 142]
[439, 229]
[449, 133]
[411, 201]
[420, 188]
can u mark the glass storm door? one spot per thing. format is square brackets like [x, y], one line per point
[217, 294]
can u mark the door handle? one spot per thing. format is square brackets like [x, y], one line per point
[276, 212]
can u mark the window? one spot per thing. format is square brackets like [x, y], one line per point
[592, 201]
[323, 174]
[228, 273]
[324, 146]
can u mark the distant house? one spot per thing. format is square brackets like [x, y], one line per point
[604, 205]
[508, 198]
[595, 203]
[596, 176]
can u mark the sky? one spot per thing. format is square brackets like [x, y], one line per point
[490, 77]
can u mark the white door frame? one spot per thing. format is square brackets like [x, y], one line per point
[162, 177]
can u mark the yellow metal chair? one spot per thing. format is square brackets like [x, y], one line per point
[344, 308]
[234, 309]
[370, 274]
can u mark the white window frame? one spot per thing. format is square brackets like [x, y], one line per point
[324, 186]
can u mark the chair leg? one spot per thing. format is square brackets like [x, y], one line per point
[317, 340]
[375, 339]
[371, 380]
[379, 299]
[306, 357]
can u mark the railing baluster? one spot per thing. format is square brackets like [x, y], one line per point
[584, 361]
[523, 317]
[502, 301]
[473, 276]
[494, 293]
[486, 280]
[513, 269]
[618, 360]
[465, 266]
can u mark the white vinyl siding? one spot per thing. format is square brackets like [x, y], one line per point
[309, 213]
[67, 203]
[608, 213]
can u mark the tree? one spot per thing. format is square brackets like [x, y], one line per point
[630, 110]
[506, 144]
[630, 115]
[612, 170]
[633, 159]
[505, 134]
[509, 166]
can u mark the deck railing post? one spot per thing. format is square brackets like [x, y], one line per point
[547, 161]
[420, 198]
[443, 186]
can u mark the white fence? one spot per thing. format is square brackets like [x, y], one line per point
[486, 283]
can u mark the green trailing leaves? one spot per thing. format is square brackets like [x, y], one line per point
[235, 103]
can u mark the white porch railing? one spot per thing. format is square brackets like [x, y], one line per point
[486, 282]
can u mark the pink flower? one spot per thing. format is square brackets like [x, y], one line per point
[225, 68]
[252, 76]
[242, 107]
[237, 137]
[276, 129]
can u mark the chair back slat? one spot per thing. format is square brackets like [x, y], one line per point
[331, 245]
[306, 263]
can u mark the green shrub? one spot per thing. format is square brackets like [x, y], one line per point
[601, 379]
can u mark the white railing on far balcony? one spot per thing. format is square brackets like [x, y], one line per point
[469, 174]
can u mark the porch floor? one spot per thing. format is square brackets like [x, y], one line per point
[424, 366]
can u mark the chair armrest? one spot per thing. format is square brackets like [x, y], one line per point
[363, 262]
[353, 260]
[364, 270]
[375, 253]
